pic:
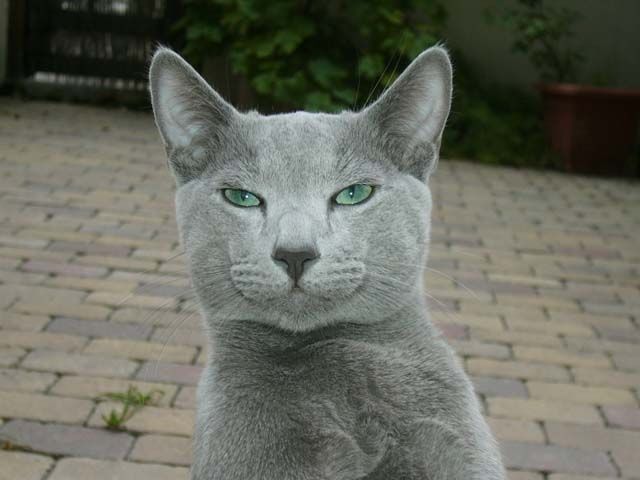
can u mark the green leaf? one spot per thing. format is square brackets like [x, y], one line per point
[325, 72]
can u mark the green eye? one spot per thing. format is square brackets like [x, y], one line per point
[354, 194]
[241, 198]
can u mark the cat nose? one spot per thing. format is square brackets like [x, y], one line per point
[295, 260]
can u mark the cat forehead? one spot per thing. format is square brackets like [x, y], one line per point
[298, 131]
[300, 146]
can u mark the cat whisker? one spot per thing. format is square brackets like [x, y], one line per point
[455, 281]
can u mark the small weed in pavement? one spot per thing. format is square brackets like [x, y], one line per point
[132, 400]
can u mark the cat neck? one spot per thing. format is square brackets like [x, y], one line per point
[406, 326]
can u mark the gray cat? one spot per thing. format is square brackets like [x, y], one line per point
[306, 235]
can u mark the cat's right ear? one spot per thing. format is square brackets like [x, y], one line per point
[189, 114]
[411, 114]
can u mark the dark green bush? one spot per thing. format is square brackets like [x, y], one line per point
[494, 124]
[336, 54]
[318, 55]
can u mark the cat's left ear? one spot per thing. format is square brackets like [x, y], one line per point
[410, 115]
[189, 114]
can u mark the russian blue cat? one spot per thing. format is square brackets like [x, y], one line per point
[306, 236]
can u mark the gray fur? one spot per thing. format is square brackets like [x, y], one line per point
[346, 379]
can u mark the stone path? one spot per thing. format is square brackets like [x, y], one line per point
[536, 278]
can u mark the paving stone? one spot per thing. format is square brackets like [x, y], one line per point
[581, 394]
[533, 300]
[93, 284]
[516, 430]
[51, 341]
[592, 437]
[525, 280]
[56, 439]
[619, 334]
[24, 381]
[132, 300]
[27, 323]
[186, 398]
[516, 338]
[534, 409]
[23, 466]
[556, 459]
[171, 421]
[95, 328]
[46, 408]
[590, 319]
[601, 345]
[480, 349]
[490, 322]
[629, 463]
[10, 356]
[150, 278]
[169, 373]
[168, 291]
[64, 269]
[89, 312]
[75, 363]
[88, 248]
[627, 362]
[561, 357]
[452, 331]
[157, 318]
[517, 370]
[625, 417]
[45, 295]
[83, 469]
[547, 327]
[499, 387]
[95, 387]
[565, 476]
[162, 449]
[141, 350]
[180, 335]
[119, 263]
[521, 475]
[606, 377]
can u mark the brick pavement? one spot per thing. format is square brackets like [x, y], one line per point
[535, 279]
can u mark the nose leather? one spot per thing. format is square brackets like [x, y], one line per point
[295, 260]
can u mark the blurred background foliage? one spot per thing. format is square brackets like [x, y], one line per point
[336, 54]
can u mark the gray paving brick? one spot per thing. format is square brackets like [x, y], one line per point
[68, 440]
[101, 329]
[499, 387]
[553, 458]
[170, 373]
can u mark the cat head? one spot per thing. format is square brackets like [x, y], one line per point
[300, 220]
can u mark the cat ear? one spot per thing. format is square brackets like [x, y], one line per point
[410, 115]
[188, 112]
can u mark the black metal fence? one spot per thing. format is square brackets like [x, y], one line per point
[104, 44]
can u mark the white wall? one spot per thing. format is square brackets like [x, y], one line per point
[609, 31]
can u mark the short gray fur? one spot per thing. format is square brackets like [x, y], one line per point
[345, 378]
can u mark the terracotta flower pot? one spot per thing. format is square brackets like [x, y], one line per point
[593, 129]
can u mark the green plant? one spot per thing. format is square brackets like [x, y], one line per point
[543, 32]
[327, 56]
[493, 124]
[132, 400]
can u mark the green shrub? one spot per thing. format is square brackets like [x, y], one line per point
[322, 56]
[335, 55]
[494, 124]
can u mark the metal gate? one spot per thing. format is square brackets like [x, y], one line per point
[95, 43]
